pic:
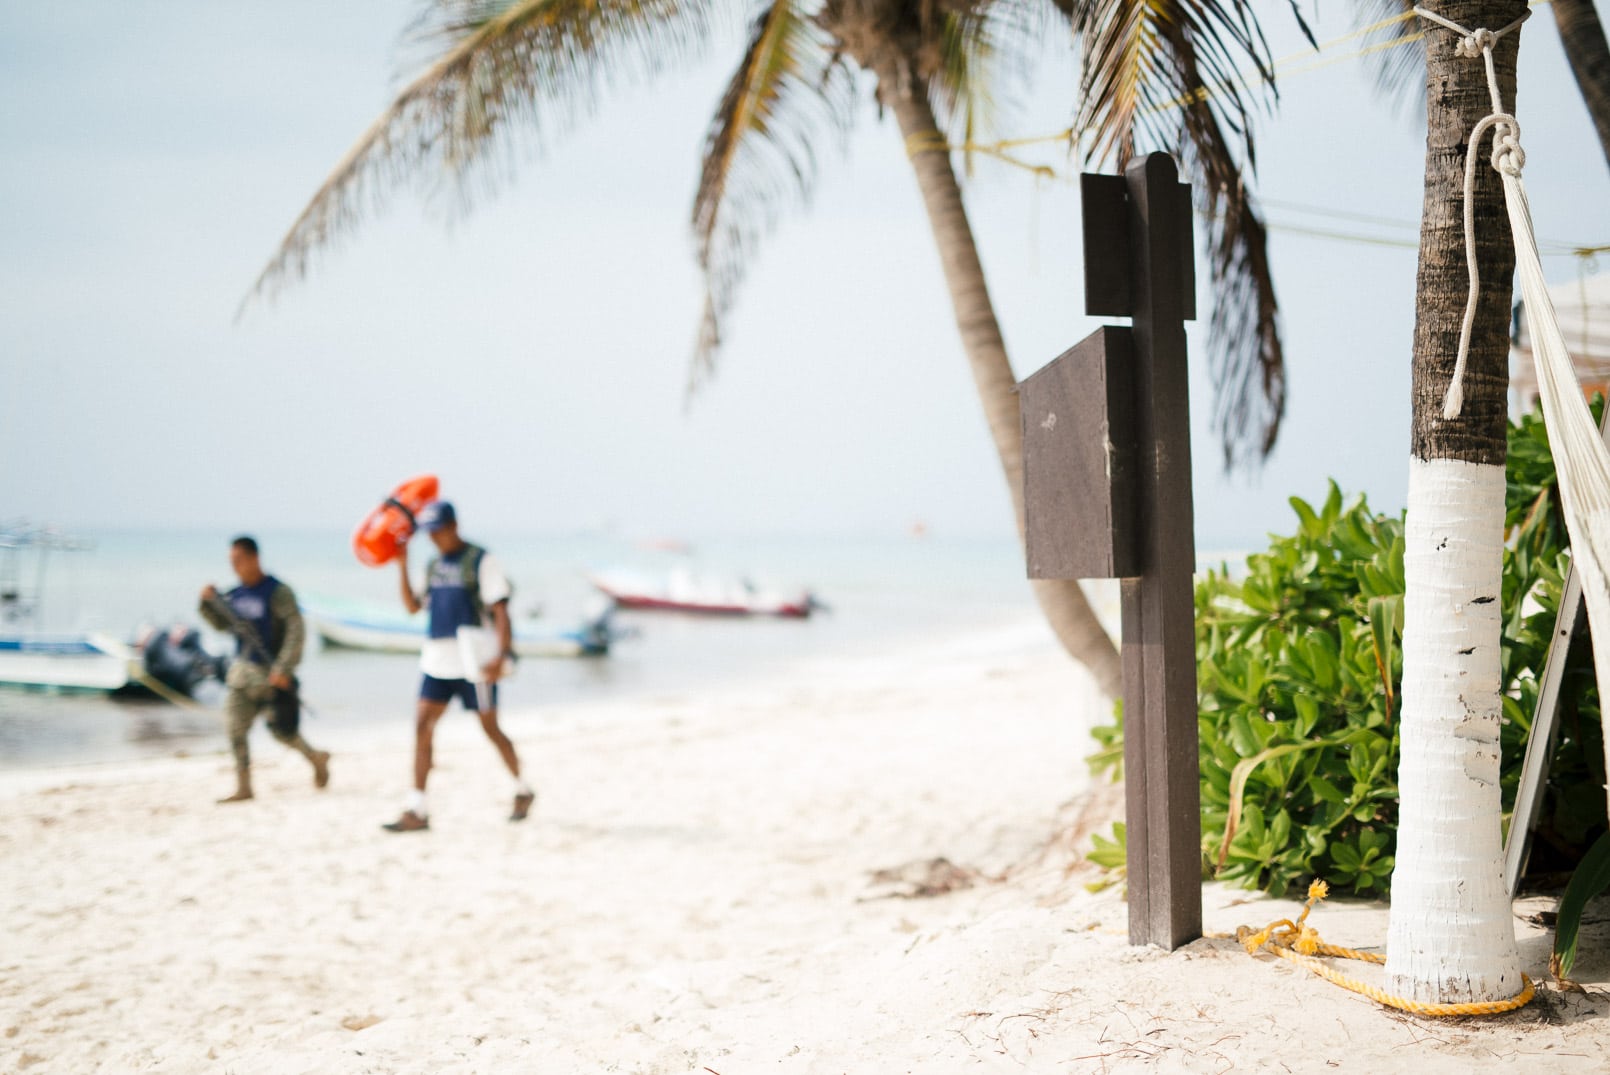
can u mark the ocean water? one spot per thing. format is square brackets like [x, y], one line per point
[882, 593]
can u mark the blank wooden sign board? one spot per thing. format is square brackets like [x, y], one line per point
[1107, 492]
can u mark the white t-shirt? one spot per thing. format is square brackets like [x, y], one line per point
[440, 657]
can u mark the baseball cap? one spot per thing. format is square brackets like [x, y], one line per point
[435, 515]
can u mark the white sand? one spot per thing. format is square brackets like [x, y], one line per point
[694, 893]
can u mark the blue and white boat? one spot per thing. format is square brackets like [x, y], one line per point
[167, 662]
[80, 662]
[350, 625]
[30, 657]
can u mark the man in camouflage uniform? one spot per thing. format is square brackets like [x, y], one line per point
[269, 634]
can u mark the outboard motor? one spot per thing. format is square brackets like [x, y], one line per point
[599, 630]
[177, 658]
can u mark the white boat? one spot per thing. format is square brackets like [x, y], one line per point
[169, 663]
[351, 626]
[75, 662]
[681, 590]
[30, 657]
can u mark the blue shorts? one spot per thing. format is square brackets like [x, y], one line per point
[432, 689]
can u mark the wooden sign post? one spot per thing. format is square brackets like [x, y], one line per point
[1107, 490]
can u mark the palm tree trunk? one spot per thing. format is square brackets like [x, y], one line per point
[1582, 34]
[1451, 938]
[1062, 600]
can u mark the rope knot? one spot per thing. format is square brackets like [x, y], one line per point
[1508, 156]
[1299, 943]
[1508, 159]
[1476, 43]
[1252, 940]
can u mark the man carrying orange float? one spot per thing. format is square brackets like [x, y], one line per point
[464, 654]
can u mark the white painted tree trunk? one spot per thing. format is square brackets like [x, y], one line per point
[1451, 938]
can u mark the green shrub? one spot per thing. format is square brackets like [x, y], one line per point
[1298, 669]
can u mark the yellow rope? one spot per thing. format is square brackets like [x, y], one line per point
[1300, 944]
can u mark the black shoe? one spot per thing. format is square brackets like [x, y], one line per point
[522, 805]
[409, 822]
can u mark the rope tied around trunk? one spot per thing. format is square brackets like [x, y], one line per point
[1299, 943]
[1508, 158]
[1581, 457]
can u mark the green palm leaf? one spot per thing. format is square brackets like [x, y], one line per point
[1589, 880]
[542, 63]
[759, 152]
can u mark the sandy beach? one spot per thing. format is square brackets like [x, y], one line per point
[726, 882]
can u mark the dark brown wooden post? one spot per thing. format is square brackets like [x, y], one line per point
[1159, 635]
[1123, 398]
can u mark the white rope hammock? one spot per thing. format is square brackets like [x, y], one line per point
[1580, 457]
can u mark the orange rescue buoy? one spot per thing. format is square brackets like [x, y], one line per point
[387, 529]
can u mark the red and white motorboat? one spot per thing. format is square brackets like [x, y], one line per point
[680, 590]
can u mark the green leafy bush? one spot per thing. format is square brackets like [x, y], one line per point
[1299, 663]
[1591, 877]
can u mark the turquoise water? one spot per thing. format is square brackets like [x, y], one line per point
[882, 592]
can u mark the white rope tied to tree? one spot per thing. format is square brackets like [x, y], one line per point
[1508, 158]
[1581, 458]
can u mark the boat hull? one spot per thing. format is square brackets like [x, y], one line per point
[62, 662]
[347, 633]
[643, 602]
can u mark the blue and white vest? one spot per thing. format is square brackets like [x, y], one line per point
[453, 592]
[252, 604]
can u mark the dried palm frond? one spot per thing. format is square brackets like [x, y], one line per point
[760, 152]
[541, 63]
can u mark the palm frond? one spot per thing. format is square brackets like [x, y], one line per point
[1399, 71]
[788, 93]
[1142, 60]
[1076, 12]
[980, 64]
[1246, 359]
[498, 63]
[1163, 74]
[966, 80]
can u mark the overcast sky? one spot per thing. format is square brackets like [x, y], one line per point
[534, 352]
